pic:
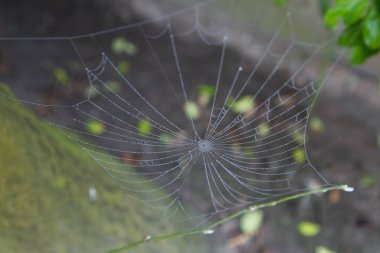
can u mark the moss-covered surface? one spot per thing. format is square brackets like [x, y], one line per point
[44, 200]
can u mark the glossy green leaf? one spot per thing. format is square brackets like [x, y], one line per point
[243, 104]
[121, 45]
[371, 29]
[350, 11]
[144, 127]
[251, 222]
[332, 17]
[354, 10]
[360, 53]
[191, 110]
[308, 228]
[61, 76]
[351, 36]
[95, 127]
[323, 249]
[299, 155]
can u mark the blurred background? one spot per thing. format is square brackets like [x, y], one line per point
[55, 198]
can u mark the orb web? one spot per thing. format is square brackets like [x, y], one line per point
[203, 122]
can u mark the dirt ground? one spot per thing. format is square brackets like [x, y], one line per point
[346, 151]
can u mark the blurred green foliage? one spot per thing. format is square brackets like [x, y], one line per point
[244, 104]
[144, 127]
[280, 2]
[308, 228]
[206, 93]
[165, 138]
[360, 24]
[251, 222]
[367, 181]
[61, 76]
[299, 155]
[316, 125]
[263, 129]
[191, 110]
[123, 66]
[206, 89]
[44, 193]
[121, 45]
[95, 127]
[323, 249]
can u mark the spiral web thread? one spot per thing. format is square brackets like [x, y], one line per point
[221, 161]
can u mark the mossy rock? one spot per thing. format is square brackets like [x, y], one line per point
[44, 193]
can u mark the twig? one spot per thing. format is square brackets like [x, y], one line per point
[210, 228]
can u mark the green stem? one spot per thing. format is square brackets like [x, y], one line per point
[209, 228]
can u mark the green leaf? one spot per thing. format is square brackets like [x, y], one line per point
[308, 228]
[378, 140]
[243, 104]
[61, 76]
[360, 53]
[95, 127]
[316, 125]
[123, 66]
[191, 110]
[299, 155]
[371, 29]
[351, 36]
[332, 16]
[121, 45]
[350, 11]
[251, 222]
[354, 10]
[322, 249]
[144, 127]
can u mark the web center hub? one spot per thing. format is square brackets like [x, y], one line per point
[205, 145]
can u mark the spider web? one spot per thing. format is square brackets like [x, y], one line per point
[222, 159]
